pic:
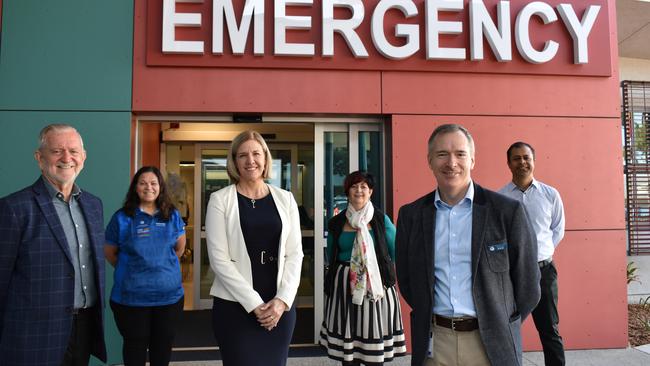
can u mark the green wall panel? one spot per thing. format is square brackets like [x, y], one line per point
[106, 174]
[66, 55]
[69, 61]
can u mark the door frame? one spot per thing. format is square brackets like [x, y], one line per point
[199, 232]
[320, 234]
[352, 125]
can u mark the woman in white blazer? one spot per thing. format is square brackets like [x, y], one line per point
[255, 251]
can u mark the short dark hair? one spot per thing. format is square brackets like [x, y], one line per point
[358, 177]
[163, 202]
[450, 128]
[517, 145]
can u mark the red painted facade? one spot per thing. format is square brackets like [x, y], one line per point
[573, 121]
[574, 155]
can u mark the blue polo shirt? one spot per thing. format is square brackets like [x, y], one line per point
[147, 272]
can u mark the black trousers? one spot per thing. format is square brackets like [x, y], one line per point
[82, 337]
[147, 328]
[546, 318]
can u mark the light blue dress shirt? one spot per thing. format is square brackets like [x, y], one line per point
[545, 211]
[453, 257]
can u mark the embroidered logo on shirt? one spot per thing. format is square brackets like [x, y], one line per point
[143, 231]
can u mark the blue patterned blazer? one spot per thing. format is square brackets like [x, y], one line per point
[37, 277]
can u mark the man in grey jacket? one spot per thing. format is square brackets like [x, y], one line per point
[466, 263]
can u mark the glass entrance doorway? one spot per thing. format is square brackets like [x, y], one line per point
[311, 164]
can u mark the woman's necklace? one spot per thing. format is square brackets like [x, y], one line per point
[260, 194]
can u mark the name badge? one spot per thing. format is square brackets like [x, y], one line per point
[498, 247]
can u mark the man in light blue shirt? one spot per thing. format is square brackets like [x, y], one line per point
[546, 213]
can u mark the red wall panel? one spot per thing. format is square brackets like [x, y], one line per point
[514, 95]
[581, 158]
[489, 94]
[592, 291]
[270, 91]
[189, 90]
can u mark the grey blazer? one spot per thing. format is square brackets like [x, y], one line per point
[505, 282]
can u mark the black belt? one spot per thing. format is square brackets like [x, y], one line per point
[457, 324]
[544, 263]
[80, 311]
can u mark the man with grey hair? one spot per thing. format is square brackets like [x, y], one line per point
[466, 263]
[52, 262]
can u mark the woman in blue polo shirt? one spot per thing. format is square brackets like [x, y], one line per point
[143, 242]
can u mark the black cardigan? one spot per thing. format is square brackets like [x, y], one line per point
[386, 267]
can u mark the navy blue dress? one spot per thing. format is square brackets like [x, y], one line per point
[241, 338]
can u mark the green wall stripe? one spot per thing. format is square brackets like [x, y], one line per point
[66, 55]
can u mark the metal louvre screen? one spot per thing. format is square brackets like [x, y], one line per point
[636, 123]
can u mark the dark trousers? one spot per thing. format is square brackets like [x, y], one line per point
[81, 340]
[145, 328]
[546, 318]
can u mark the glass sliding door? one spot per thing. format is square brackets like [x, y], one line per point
[178, 169]
[213, 177]
[292, 170]
[339, 149]
[370, 156]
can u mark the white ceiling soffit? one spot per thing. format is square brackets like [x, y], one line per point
[633, 19]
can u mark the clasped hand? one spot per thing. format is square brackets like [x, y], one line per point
[269, 314]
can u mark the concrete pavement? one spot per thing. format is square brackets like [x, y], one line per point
[604, 357]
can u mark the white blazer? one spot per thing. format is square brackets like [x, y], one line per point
[229, 258]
